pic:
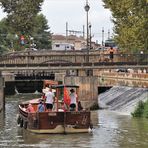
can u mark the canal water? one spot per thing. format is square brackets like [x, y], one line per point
[111, 130]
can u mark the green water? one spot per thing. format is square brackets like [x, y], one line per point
[111, 130]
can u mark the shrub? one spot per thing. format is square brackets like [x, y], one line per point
[145, 113]
[139, 110]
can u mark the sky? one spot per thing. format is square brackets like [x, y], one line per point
[58, 12]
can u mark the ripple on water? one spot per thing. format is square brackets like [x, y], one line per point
[111, 130]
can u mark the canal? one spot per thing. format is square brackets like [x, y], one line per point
[111, 130]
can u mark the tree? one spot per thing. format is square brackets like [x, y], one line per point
[130, 23]
[21, 13]
[24, 21]
[41, 33]
[40, 36]
[4, 41]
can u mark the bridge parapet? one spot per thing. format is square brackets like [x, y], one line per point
[69, 57]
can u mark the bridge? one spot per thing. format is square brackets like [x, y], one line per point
[88, 69]
[73, 60]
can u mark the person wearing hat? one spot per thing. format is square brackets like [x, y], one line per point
[73, 100]
[46, 89]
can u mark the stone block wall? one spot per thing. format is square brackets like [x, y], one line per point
[1, 92]
[88, 89]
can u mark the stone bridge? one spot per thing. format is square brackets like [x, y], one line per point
[74, 60]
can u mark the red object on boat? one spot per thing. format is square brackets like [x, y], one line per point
[66, 96]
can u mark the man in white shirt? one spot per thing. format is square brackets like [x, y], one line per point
[49, 99]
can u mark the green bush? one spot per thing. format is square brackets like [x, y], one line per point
[141, 110]
[145, 113]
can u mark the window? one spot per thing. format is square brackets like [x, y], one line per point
[57, 45]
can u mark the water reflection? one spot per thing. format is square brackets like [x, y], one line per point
[111, 130]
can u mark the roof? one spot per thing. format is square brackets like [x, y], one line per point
[62, 86]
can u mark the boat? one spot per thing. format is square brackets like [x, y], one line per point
[58, 120]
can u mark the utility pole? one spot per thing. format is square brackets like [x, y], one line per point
[90, 36]
[66, 32]
[83, 31]
[102, 36]
[87, 7]
[108, 34]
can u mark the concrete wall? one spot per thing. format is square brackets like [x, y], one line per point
[1, 92]
[88, 89]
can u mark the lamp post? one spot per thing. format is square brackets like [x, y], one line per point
[87, 7]
[90, 36]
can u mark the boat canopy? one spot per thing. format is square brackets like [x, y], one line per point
[62, 86]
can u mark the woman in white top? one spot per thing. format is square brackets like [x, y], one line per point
[73, 100]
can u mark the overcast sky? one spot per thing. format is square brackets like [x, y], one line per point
[58, 12]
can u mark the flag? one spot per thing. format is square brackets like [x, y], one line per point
[66, 96]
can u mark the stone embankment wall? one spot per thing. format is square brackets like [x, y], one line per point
[1, 92]
[124, 79]
[132, 76]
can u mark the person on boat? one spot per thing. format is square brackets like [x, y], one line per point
[111, 54]
[46, 89]
[73, 100]
[41, 107]
[43, 97]
[80, 106]
[30, 108]
[50, 97]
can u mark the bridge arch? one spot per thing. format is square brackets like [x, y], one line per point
[56, 61]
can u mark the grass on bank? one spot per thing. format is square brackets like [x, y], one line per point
[141, 110]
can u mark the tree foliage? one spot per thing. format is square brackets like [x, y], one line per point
[40, 36]
[23, 18]
[141, 110]
[21, 13]
[130, 18]
[41, 33]
[6, 38]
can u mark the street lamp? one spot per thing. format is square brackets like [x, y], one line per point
[87, 7]
[90, 36]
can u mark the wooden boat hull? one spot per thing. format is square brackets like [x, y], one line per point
[56, 122]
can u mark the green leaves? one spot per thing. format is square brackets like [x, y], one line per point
[131, 21]
[141, 110]
[23, 18]
[21, 13]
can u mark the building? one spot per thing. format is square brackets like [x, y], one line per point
[78, 42]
